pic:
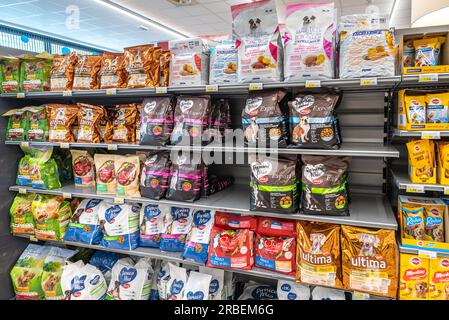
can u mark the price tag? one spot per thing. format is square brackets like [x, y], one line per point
[212, 88]
[429, 254]
[22, 191]
[67, 195]
[111, 91]
[64, 145]
[431, 135]
[119, 200]
[361, 296]
[446, 191]
[33, 239]
[112, 147]
[368, 82]
[20, 95]
[313, 84]
[67, 93]
[25, 144]
[161, 90]
[415, 189]
[255, 86]
[432, 77]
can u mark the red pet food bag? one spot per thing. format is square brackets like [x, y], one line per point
[276, 253]
[276, 227]
[235, 221]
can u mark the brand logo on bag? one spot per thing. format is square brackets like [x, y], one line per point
[261, 170]
[314, 173]
[415, 261]
[286, 287]
[176, 287]
[180, 214]
[127, 275]
[214, 286]
[112, 213]
[200, 218]
[186, 105]
[151, 211]
[445, 263]
[431, 221]
[252, 105]
[264, 293]
[149, 107]
[95, 280]
[77, 285]
[92, 204]
[413, 221]
[303, 105]
[195, 295]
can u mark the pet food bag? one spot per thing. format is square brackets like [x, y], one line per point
[38, 124]
[414, 277]
[124, 124]
[326, 294]
[152, 224]
[86, 72]
[51, 216]
[104, 261]
[105, 125]
[112, 71]
[185, 180]
[155, 175]
[256, 28]
[235, 221]
[289, 290]
[52, 270]
[437, 108]
[35, 73]
[273, 185]
[223, 63]
[318, 254]
[324, 185]
[439, 279]
[428, 51]
[11, 74]
[130, 281]
[309, 45]
[89, 117]
[22, 221]
[197, 286]
[128, 171]
[81, 281]
[366, 47]
[264, 123]
[165, 62]
[18, 124]
[138, 62]
[154, 292]
[313, 121]
[84, 225]
[26, 274]
[276, 227]
[156, 121]
[162, 280]
[216, 286]
[177, 225]
[62, 72]
[199, 236]
[176, 282]
[370, 260]
[120, 225]
[106, 173]
[61, 117]
[275, 253]
[83, 168]
[256, 291]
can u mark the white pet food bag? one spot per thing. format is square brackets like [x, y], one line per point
[309, 43]
[130, 281]
[366, 47]
[82, 282]
[154, 292]
[162, 278]
[223, 63]
[229, 285]
[256, 30]
[177, 282]
[216, 286]
[321, 293]
[84, 225]
[197, 287]
[256, 291]
[289, 290]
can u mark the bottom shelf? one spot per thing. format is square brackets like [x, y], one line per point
[176, 257]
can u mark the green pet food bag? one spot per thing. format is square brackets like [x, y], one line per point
[22, 221]
[18, 124]
[35, 74]
[11, 75]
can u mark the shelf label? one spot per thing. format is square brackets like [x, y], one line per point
[427, 254]
[368, 82]
[112, 147]
[67, 93]
[415, 189]
[212, 88]
[25, 144]
[119, 200]
[313, 84]
[22, 191]
[432, 77]
[255, 86]
[33, 239]
[67, 195]
[431, 135]
[20, 95]
[111, 91]
[64, 145]
[161, 90]
[361, 295]
[446, 191]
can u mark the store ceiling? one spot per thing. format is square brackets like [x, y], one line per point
[104, 27]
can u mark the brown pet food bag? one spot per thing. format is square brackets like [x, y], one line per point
[124, 124]
[62, 72]
[88, 121]
[105, 125]
[61, 117]
[106, 177]
[370, 260]
[155, 70]
[83, 168]
[138, 64]
[86, 72]
[318, 254]
[112, 71]
[128, 170]
[165, 68]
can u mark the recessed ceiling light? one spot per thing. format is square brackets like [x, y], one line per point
[145, 28]
[182, 2]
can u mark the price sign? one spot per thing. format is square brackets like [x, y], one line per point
[313, 84]
[433, 77]
[119, 200]
[64, 145]
[361, 296]
[255, 86]
[112, 147]
[20, 95]
[415, 189]
[427, 254]
[212, 88]
[431, 135]
[161, 90]
[67, 93]
[24, 144]
[111, 91]
[22, 191]
[67, 195]
[368, 82]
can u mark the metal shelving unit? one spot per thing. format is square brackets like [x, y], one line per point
[416, 134]
[403, 182]
[365, 210]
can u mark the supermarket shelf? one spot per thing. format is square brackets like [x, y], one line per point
[418, 134]
[371, 150]
[403, 182]
[365, 210]
[416, 251]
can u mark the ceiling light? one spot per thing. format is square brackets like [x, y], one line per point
[430, 13]
[142, 18]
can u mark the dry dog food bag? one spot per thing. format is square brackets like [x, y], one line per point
[255, 291]
[155, 175]
[61, 117]
[89, 117]
[216, 287]
[106, 173]
[324, 185]
[112, 71]
[10, 75]
[370, 260]
[83, 168]
[38, 129]
[198, 238]
[84, 225]
[52, 270]
[81, 281]
[313, 121]
[26, 274]
[176, 282]
[165, 62]
[289, 290]
[62, 72]
[152, 224]
[138, 62]
[124, 124]
[273, 185]
[127, 171]
[255, 26]
[86, 72]
[263, 120]
[275, 253]
[18, 124]
[414, 277]
[177, 225]
[156, 121]
[185, 180]
[22, 221]
[130, 281]
[318, 254]
[197, 286]
[35, 73]
[309, 45]
[223, 63]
